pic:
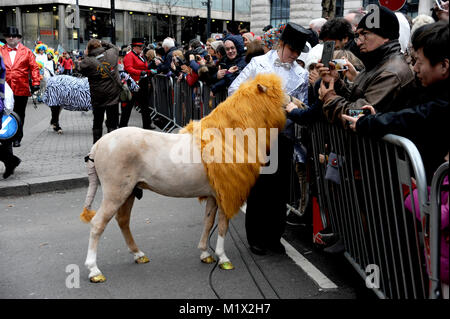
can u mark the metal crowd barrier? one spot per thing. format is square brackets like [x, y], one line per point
[435, 230]
[366, 209]
[177, 103]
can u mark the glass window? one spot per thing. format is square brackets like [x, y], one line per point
[279, 12]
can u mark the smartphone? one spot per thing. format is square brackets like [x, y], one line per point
[339, 65]
[356, 112]
[327, 53]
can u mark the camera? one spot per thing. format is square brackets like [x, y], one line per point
[356, 112]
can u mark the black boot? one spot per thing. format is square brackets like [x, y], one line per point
[97, 134]
[110, 129]
[11, 166]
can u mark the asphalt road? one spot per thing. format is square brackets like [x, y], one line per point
[43, 246]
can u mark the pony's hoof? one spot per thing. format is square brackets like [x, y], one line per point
[208, 260]
[226, 266]
[142, 260]
[98, 278]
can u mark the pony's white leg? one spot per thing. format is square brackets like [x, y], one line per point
[123, 219]
[224, 262]
[208, 221]
[98, 224]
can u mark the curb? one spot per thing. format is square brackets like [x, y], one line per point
[43, 184]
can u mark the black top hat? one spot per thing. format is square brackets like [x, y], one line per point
[140, 42]
[295, 36]
[12, 31]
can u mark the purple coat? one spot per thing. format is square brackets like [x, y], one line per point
[444, 227]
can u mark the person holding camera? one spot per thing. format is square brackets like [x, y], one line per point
[387, 81]
[426, 122]
[19, 62]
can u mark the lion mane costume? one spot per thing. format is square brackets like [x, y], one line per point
[257, 104]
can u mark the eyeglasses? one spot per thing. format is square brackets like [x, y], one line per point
[362, 36]
[12, 36]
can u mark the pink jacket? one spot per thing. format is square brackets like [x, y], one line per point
[444, 227]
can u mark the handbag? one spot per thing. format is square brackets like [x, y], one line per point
[332, 172]
[125, 93]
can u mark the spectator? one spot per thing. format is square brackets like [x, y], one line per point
[19, 63]
[169, 46]
[431, 113]
[440, 14]
[233, 63]
[6, 106]
[266, 204]
[254, 48]
[354, 17]
[316, 24]
[386, 82]
[248, 37]
[100, 66]
[67, 64]
[270, 39]
[338, 30]
[267, 28]
[404, 32]
[136, 65]
[208, 71]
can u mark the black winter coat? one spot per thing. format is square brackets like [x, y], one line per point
[425, 124]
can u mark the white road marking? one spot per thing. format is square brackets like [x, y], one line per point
[315, 274]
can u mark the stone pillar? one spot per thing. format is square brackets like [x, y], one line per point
[425, 7]
[260, 16]
[19, 20]
[62, 33]
[178, 29]
[126, 28]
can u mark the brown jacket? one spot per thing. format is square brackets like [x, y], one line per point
[387, 84]
[104, 90]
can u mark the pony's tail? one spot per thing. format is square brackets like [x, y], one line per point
[87, 213]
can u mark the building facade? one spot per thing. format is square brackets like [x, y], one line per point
[274, 12]
[54, 21]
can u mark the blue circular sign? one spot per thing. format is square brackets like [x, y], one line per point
[9, 128]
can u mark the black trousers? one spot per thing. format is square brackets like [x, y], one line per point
[265, 218]
[140, 98]
[20, 104]
[55, 110]
[6, 152]
[112, 117]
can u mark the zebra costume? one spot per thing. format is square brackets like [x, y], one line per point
[67, 91]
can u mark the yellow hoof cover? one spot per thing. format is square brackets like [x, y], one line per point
[226, 266]
[98, 278]
[208, 260]
[142, 260]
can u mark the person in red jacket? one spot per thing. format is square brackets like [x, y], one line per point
[67, 64]
[136, 65]
[19, 63]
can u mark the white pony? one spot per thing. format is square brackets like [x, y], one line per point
[129, 159]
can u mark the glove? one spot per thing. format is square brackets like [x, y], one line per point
[35, 88]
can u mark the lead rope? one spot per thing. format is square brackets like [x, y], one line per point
[245, 263]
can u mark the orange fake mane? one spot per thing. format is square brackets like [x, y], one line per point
[257, 104]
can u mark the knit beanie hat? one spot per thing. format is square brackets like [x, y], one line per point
[215, 45]
[382, 22]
